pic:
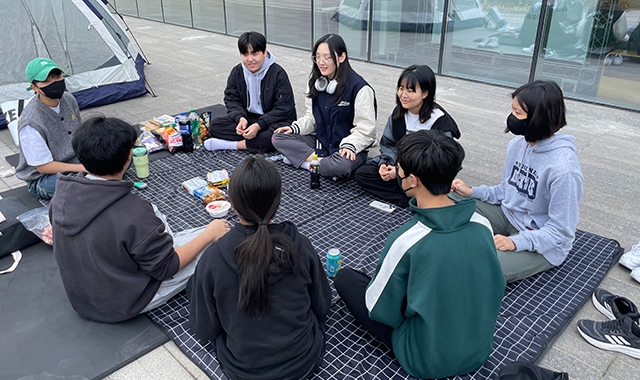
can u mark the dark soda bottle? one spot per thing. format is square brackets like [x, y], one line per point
[315, 173]
[185, 132]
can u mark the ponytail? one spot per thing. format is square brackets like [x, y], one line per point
[255, 189]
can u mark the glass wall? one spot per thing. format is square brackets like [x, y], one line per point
[177, 12]
[151, 9]
[208, 15]
[592, 51]
[591, 48]
[490, 41]
[406, 32]
[243, 16]
[296, 31]
[348, 18]
[126, 7]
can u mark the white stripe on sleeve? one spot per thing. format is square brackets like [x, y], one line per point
[399, 247]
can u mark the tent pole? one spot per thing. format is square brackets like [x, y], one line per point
[127, 29]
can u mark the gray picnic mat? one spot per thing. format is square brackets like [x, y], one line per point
[44, 338]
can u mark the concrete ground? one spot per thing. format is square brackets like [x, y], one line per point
[189, 70]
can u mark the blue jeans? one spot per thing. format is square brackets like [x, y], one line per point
[43, 187]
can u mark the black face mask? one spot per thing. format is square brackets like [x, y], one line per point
[516, 126]
[54, 90]
[400, 179]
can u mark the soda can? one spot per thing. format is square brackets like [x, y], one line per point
[334, 261]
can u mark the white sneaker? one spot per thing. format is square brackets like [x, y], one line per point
[484, 42]
[607, 60]
[493, 42]
[617, 60]
[631, 259]
[635, 274]
[528, 50]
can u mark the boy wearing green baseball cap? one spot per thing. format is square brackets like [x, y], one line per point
[46, 128]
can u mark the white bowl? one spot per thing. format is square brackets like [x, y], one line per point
[218, 209]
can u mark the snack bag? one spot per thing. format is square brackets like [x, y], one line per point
[209, 194]
[150, 142]
[164, 120]
[205, 119]
[218, 177]
[170, 137]
[193, 184]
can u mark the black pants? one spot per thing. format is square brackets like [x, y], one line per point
[224, 128]
[369, 179]
[351, 285]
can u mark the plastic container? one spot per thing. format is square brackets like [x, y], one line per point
[218, 209]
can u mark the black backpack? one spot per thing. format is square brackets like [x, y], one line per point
[524, 371]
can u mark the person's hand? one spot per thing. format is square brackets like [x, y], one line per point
[504, 243]
[285, 130]
[461, 188]
[217, 229]
[251, 131]
[242, 126]
[387, 172]
[348, 154]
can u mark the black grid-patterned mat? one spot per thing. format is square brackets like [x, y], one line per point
[533, 311]
[299, 203]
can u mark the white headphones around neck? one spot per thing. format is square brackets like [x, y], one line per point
[323, 84]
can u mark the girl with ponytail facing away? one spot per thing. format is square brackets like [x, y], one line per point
[260, 293]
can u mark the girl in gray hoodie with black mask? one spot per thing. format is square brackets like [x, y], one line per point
[534, 211]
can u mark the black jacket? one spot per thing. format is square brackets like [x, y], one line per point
[288, 340]
[276, 96]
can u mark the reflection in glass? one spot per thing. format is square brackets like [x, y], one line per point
[490, 41]
[151, 9]
[406, 32]
[177, 12]
[244, 16]
[349, 19]
[208, 15]
[127, 7]
[289, 22]
[593, 55]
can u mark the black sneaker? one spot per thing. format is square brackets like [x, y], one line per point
[614, 307]
[621, 335]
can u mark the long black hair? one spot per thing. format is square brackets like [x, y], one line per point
[426, 79]
[543, 102]
[255, 189]
[336, 47]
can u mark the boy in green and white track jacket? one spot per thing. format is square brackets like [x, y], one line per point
[437, 289]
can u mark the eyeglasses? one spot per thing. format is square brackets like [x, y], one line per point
[318, 59]
[405, 91]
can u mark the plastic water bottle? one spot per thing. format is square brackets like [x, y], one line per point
[315, 173]
[195, 129]
[185, 132]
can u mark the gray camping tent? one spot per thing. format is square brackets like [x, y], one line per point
[82, 37]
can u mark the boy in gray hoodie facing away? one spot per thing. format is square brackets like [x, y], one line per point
[258, 97]
[115, 258]
[534, 211]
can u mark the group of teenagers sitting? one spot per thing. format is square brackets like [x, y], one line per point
[258, 291]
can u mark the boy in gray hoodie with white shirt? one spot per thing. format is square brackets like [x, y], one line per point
[258, 97]
[534, 211]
